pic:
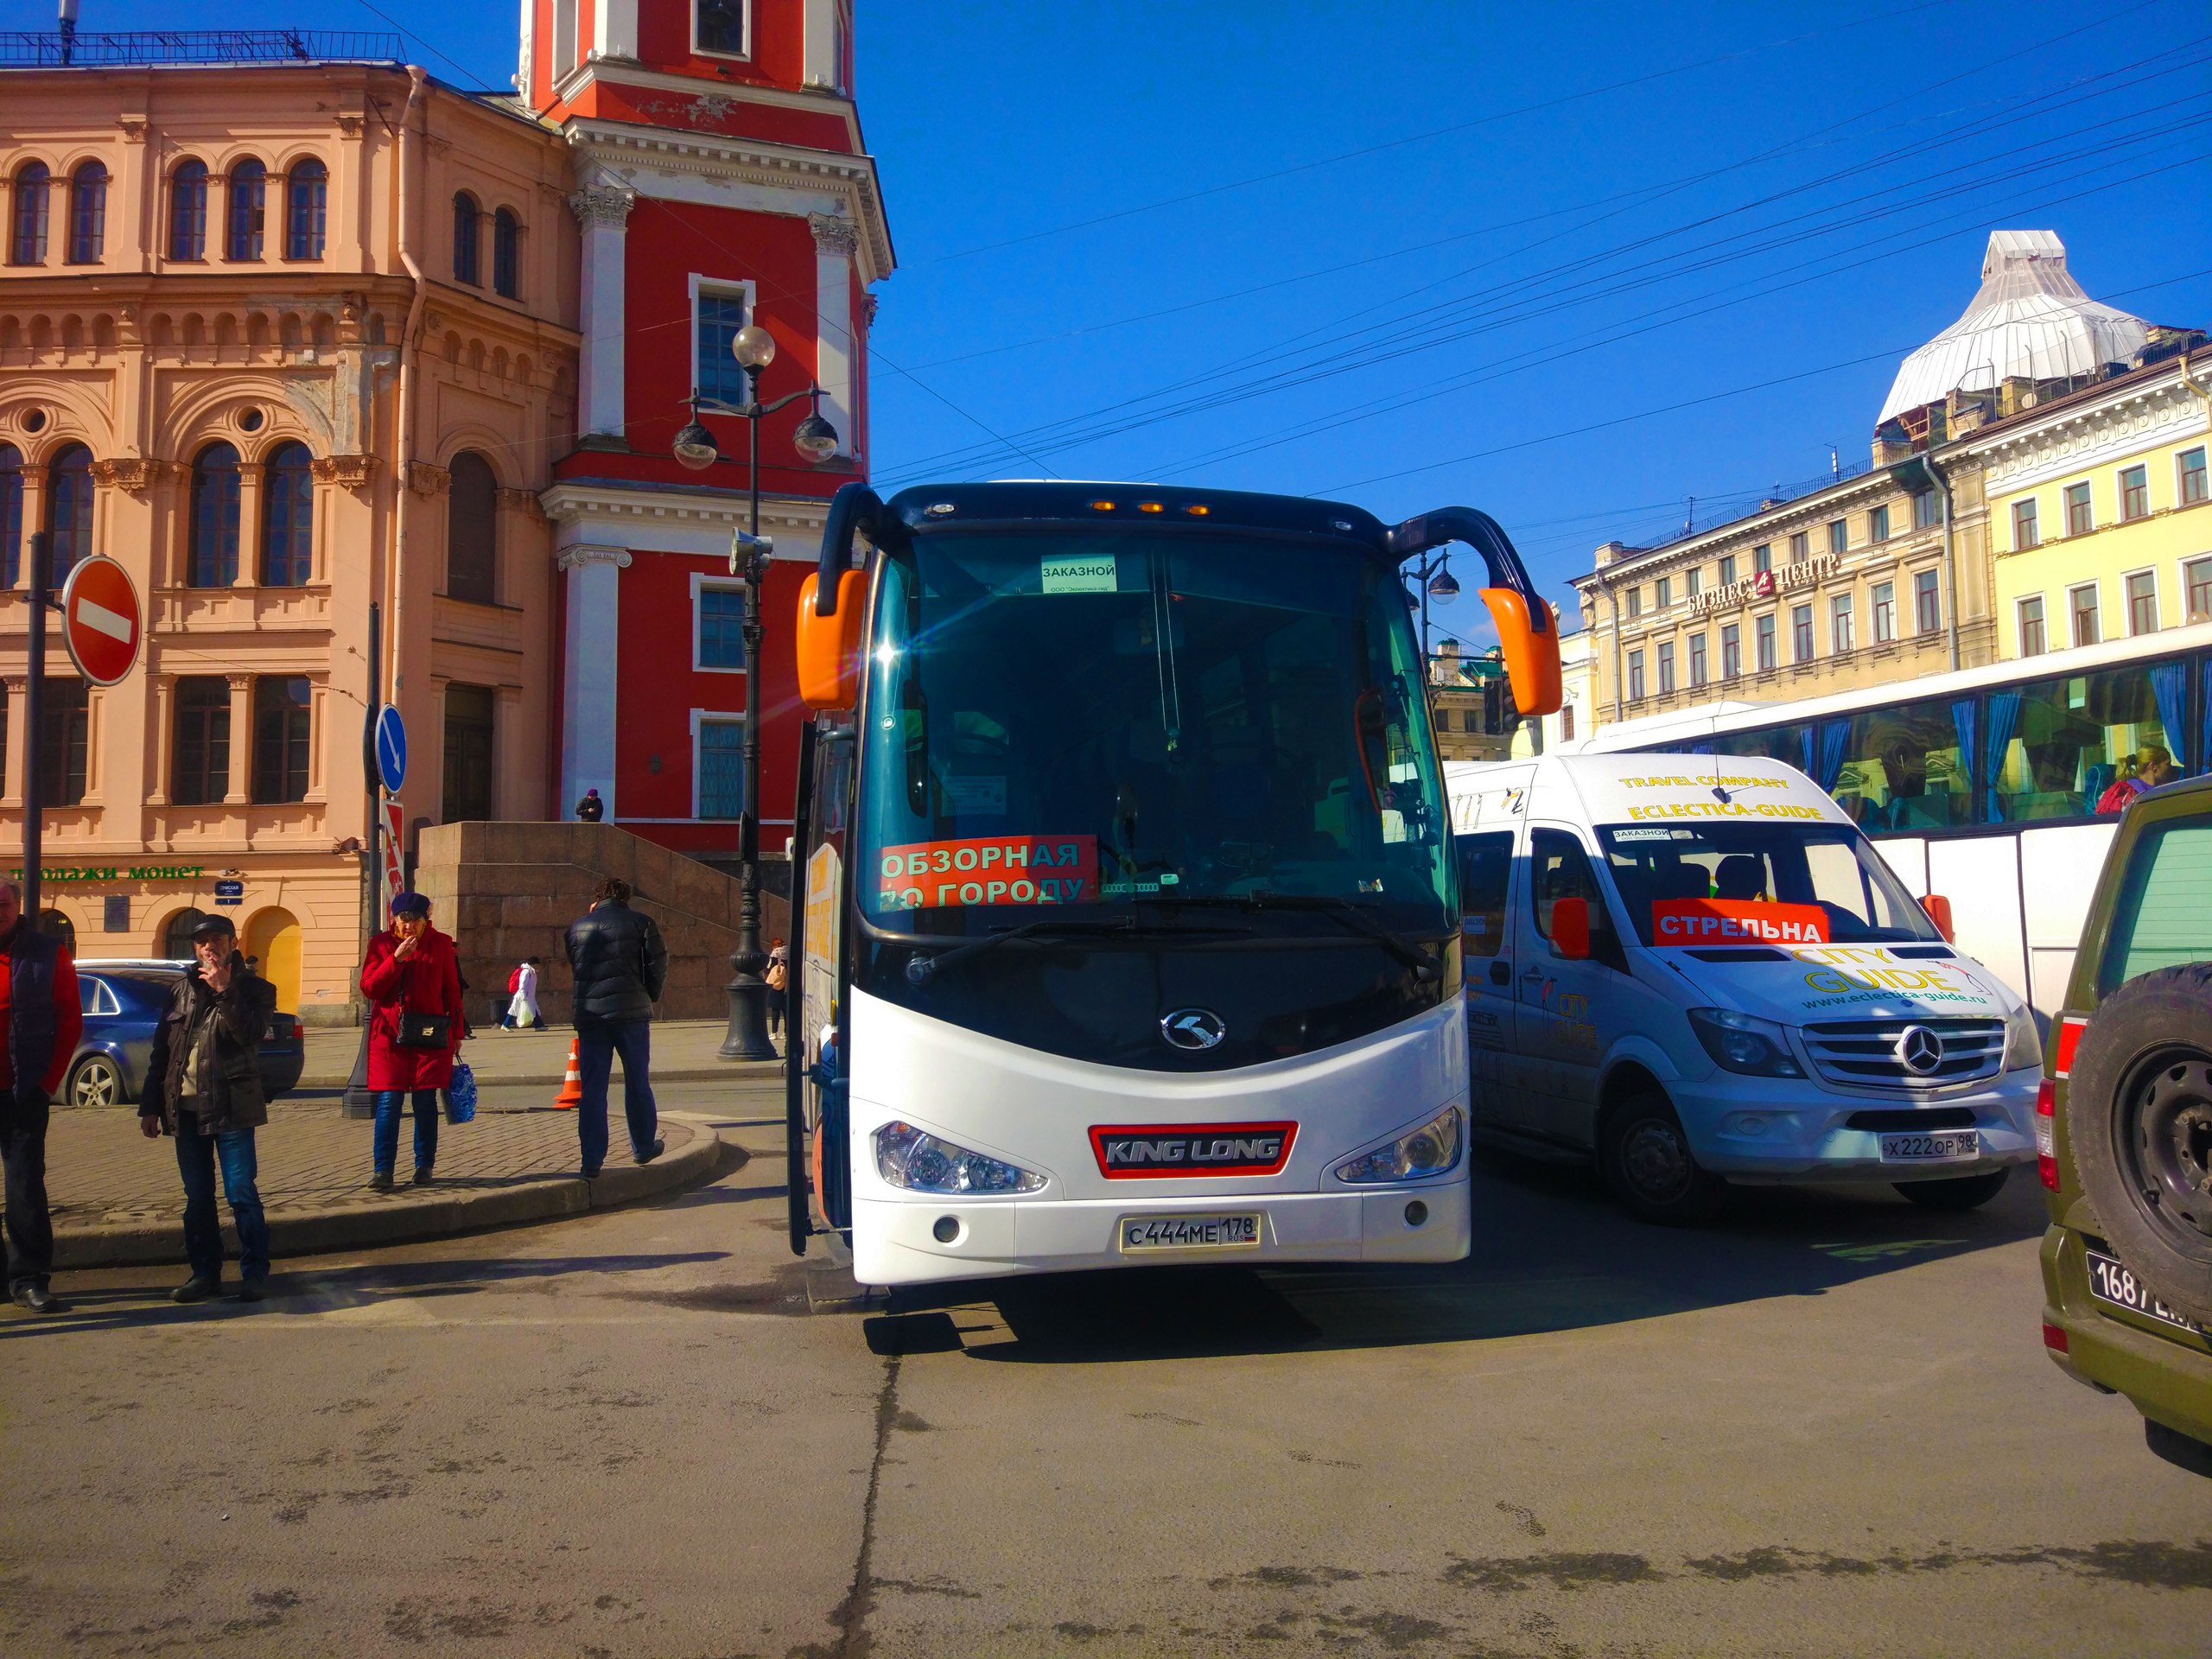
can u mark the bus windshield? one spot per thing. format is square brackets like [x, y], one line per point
[1114, 718]
[1777, 883]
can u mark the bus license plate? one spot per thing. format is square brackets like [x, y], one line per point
[2111, 1281]
[1940, 1148]
[1143, 1233]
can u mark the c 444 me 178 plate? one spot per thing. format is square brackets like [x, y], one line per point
[1237, 1231]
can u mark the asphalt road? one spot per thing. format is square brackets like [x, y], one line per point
[1826, 1427]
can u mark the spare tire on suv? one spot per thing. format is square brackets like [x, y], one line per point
[2138, 1120]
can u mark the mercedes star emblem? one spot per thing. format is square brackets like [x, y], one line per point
[1192, 1028]
[1920, 1049]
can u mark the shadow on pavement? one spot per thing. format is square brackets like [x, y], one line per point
[1551, 1252]
[323, 1290]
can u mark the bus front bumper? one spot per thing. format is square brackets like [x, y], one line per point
[896, 1242]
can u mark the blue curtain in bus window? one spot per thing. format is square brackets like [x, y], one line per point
[1703, 746]
[2004, 721]
[2170, 685]
[2204, 738]
[1835, 744]
[1963, 723]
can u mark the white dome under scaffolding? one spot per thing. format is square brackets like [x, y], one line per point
[2030, 321]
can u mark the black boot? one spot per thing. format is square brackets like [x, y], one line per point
[196, 1289]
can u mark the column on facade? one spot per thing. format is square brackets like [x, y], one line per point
[239, 775]
[836, 350]
[164, 689]
[603, 212]
[19, 686]
[590, 672]
[250, 485]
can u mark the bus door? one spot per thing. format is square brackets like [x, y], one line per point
[819, 1056]
[1486, 862]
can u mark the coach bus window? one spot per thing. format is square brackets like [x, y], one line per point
[1907, 768]
[2086, 743]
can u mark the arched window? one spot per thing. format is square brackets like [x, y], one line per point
[249, 195]
[188, 211]
[214, 561]
[506, 254]
[177, 937]
[466, 266]
[11, 514]
[27, 237]
[88, 213]
[69, 508]
[287, 518]
[472, 530]
[305, 191]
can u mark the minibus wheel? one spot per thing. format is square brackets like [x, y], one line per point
[1956, 1191]
[1645, 1159]
[2139, 1123]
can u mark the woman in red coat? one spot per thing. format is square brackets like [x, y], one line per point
[412, 971]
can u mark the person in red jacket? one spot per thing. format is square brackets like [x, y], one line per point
[40, 1023]
[412, 979]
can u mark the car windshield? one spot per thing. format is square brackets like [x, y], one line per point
[1776, 883]
[1114, 719]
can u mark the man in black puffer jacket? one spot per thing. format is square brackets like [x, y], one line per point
[619, 963]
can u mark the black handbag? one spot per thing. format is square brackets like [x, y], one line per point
[424, 1030]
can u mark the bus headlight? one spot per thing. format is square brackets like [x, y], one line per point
[2022, 1042]
[1745, 1043]
[920, 1162]
[1432, 1149]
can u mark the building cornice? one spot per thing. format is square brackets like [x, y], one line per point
[2085, 436]
[604, 502]
[625, 72]
[1805, 513]
[628, 152]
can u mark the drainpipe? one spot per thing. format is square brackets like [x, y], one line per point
[409, 350]
[1614, 599]
[1914, 474]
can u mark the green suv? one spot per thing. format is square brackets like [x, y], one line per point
[2124, 1130]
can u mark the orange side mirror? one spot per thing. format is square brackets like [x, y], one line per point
[1939, 912]
[1531, 655]
[829, 646]
[1571, 928]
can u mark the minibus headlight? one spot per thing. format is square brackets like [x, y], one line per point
[921, 1162]
[1432, 1149]
[1743, 1042]
[2022, 1042]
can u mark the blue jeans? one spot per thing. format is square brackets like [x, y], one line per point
[197, 1154]
[596, 1047]
[384, 1149]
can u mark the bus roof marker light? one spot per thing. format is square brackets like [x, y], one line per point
[1150, 507]
[1197, 509]
[1102, 506]
[939, 509]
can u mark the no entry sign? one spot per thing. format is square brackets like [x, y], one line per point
[100, 622]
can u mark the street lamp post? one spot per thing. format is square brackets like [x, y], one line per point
[815, 438]
[1436, 578]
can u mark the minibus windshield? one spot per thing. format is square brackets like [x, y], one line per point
[1774, 883]
[1121, 719]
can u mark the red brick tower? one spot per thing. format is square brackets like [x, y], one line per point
[720, 180]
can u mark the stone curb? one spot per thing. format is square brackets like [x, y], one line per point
[404, 1219]
[732, 1071]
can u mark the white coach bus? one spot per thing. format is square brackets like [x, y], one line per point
[1126, 884]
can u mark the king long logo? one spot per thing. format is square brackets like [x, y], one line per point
[1153, 1152]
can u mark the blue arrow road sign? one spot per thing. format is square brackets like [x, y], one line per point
[391, 748]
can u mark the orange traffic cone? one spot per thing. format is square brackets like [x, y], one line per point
[572, 1086]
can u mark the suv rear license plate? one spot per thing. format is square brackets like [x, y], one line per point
[1942, 1146]
[2111, 1281]
[1143, 1233]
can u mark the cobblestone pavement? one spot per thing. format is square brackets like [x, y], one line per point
[681, 1049]
[101, 1169]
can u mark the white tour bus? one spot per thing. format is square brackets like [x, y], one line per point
[1698, 970]
[1992, 786]
[1126, 891]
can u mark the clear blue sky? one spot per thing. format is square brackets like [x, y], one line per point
[1535, 181]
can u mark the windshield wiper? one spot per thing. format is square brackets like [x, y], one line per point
[1354, 915]
[921, 969]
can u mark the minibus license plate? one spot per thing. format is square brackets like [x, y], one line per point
[2111, 1281]
[1238, 1232]
[1940, 1147]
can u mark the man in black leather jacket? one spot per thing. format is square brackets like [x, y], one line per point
[619, 963]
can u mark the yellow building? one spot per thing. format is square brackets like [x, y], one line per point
[2100, 509]
[285, 339]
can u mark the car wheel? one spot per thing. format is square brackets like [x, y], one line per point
[1957, 1192]
[2139, 1122]
[1645, 1159]
[94, 1083]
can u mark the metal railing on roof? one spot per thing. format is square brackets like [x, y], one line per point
[28, 49]
[1778, 496]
